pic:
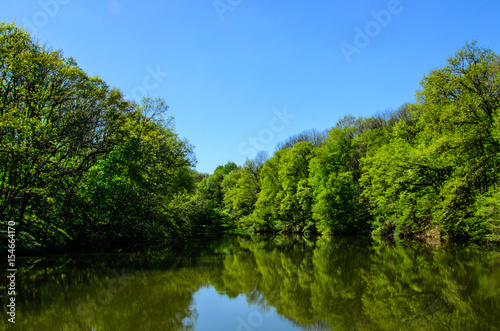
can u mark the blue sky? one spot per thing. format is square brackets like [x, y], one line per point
[243, 75]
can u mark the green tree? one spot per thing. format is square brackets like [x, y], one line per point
[295, 194]
[333, 178]
[459, 107]
[241, 189]
[284, 200]
[52, 129]
[441, 157]
[79, 164]
[210, 200]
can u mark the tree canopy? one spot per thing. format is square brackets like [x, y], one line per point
[81, 166]
[428, 168]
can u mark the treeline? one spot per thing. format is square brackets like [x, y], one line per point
[80, 166]
[430, 168]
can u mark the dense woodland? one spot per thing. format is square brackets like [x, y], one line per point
[82, 167]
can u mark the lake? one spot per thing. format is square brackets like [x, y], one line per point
[261, 282]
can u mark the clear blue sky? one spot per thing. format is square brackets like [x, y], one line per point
[231, 70]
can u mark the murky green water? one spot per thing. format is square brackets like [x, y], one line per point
[264, 283]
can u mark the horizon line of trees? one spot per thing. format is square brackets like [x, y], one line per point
[82, 167]
[428, 168]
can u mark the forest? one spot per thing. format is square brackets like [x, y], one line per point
[82, 167]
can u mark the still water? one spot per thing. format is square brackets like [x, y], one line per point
[253, 283]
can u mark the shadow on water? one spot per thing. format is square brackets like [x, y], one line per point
[309, 283]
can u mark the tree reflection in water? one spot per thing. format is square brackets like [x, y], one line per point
[317, 284]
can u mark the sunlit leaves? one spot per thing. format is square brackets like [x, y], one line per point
[78, 162]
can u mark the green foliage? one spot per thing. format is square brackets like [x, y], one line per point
[210, 204]
[459, 105]
[210, 188]
[114, 194]
[241, 189]
[487, 215]
[52, 129]
[81, 166]
[284, 201]
[295, 194]
[424, 168]
[436, 164]
[266, 213]
[337, 208]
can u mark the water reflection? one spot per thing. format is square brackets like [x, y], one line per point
[264, 283]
